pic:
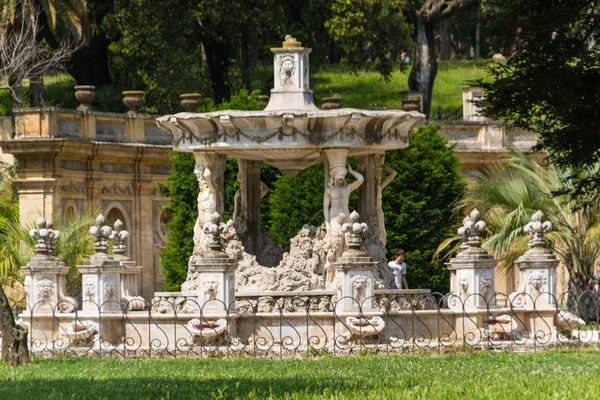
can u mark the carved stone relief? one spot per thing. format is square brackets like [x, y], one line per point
[359, 287]
[110, 288]
[89, 289]
[211, 287]
[485, 284]
[72, 186]
[463, 285]
[74, 165]
[117, 168]
[45, 289]
[115, 188]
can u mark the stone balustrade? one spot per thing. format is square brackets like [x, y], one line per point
[51, 122]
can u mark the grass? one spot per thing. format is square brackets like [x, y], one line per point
[364, 89]
[550, 374]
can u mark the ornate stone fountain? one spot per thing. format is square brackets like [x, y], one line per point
[291, 134]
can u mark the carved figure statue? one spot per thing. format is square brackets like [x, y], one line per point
[207, 197]
[335, 210]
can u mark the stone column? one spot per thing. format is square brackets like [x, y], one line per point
[101, 274]
[537, 268]
[372, 167]
[354, 270]
[472, 270]
[45, 275]
[249, 178]
[215, 272]
[253, 236]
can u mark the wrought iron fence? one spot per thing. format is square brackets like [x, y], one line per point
[315, 326]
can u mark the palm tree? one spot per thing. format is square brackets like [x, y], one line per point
[509, 193]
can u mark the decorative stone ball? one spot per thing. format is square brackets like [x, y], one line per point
[106, 231]
[94, 231]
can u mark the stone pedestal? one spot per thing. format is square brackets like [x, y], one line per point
[472, 98]
[472, 270]
[215, 272]
[537, 269]
[101, 283]
[354, 271]
[45, 275]
[45, 285]
[291, 89]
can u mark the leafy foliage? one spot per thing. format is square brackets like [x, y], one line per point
[550, 85]
[296, 201]
[418, 204]
[508, 194]
[370, 31]
[152, 56]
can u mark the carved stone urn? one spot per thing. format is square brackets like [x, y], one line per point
[412, 101]
[85, 95]
[331, 103]
[133, 99]
[190, 101]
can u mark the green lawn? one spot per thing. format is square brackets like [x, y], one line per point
[551, 374]
[364, 89]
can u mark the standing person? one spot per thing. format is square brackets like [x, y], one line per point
[399, 268]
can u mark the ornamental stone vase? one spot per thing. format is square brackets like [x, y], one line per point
[85, 95]
[190, 101]
[133, 99]
[331, 103]
[412, 101]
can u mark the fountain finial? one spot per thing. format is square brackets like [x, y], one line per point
[291, 42]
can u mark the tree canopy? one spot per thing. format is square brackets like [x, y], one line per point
[551, 83]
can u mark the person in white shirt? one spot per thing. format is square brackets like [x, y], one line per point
[399, 268]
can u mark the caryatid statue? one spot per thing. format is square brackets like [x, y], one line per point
[335, 202]
[208, 195]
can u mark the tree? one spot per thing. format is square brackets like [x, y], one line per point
[296, 201]
[370, 31]
[550, 85]
[418, 204]
[21, 53]
[426, 17]
[508, 194]
[376, 30]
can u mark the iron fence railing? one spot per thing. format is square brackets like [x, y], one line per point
[317, 325]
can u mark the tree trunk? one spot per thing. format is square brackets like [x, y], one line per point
[445, 41]
[245, 61]
[424, 67]
[218, 67]
[477, 33]
[14, 338]
[36, 91]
